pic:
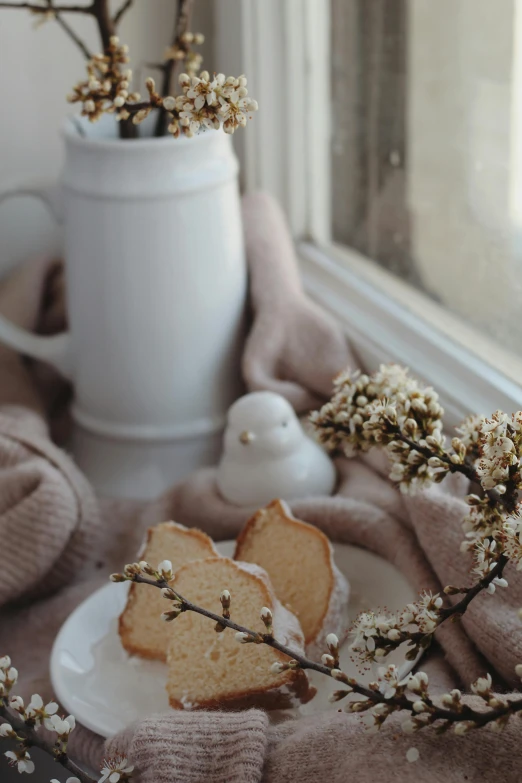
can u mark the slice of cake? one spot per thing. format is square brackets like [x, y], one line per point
[209, 670]
[299, 561]
[142, 631]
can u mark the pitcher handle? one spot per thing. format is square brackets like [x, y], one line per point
[55, 349]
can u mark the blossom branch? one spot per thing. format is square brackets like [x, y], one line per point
[393, 636]
[383, 697]
[203, 103]
[21, 723]
[170, 65]
[29, 737]
[465, 468]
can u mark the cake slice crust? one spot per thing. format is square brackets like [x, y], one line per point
[141, 630]
[299, 561]
[210, 670]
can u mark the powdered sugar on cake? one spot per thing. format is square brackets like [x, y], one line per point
[335, 619]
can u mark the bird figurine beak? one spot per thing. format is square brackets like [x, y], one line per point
[246, 437]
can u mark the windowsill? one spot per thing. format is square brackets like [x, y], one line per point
[436, 315]
[387, 320]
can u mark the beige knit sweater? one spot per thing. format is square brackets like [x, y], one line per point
[58, 542]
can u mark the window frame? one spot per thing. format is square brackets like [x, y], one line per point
[287, 152]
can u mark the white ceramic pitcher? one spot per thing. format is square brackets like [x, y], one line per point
[156, 283]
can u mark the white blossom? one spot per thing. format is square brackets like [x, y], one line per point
[412, 755]
[69, 780]
[39, 713]
[278, 666]
[384, 410]
[9, 676]
[482, 686]
[62, 726]
[375, 635]
[20, 759]
[244, 638]
[6, 730]
[511, 538]
[388, 679]
[17, 704]
[486, 557]
[116, 770]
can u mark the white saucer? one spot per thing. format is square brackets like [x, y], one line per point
[105, 689]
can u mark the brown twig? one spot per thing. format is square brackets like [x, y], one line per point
[465, 468]
[100, 11]
[31, 738]
[75, 9]
[460, 607]
[466, 713]
[72, 35]
[168, 68]
[57, 10]
[456, 610]
[122, 10]
[107, 28]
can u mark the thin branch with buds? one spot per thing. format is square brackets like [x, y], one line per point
[398, 700]
[169, 67]
[29, 737]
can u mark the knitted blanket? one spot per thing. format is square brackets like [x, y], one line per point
[58, 543]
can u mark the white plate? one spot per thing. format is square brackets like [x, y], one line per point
[95, 679]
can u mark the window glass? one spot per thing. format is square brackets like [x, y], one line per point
[427, 149]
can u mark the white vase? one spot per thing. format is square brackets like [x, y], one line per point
[156, 288]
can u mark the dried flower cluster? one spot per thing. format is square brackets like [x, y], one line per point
[209, 103]
[376, 635]
[204, 103]
[391, 410]
[107, 87]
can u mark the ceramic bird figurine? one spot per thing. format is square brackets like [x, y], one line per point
[267, 454]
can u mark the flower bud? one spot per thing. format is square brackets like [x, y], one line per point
[165, 570]
[6, 730]
[266, 616]
[279, 667]
[168, 617]
[243, 638]
[169, 103]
